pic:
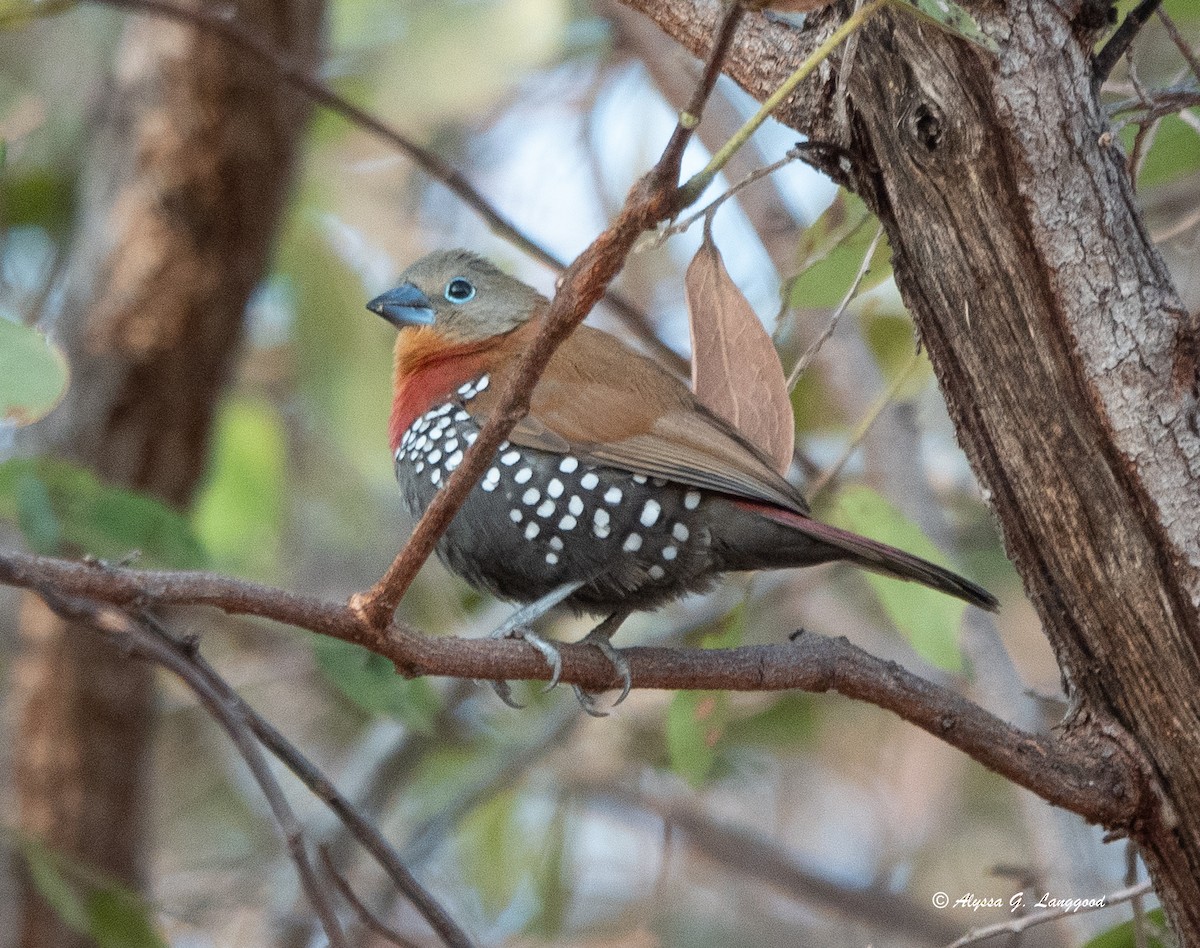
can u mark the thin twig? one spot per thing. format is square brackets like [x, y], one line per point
[1105, 789]
[1115, 48]
[371, 839]
[654, 198]
[709, 209]
[1181, 44]
[864, 426]
[810, 353]
[367, 917]
[1137, 902]
[1018, 925]
[210, 18]
[749, 855]
[116, 624]
[1181, 226]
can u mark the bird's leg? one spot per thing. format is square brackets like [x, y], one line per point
[513, 629]
[599, 637]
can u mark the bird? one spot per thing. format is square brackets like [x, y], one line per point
[618, 492]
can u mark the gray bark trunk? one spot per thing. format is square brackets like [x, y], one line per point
[1066, 359]
[187, 177]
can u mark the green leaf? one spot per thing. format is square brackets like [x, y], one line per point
[370, 681]
[928, 619]
[240, 508]
[1122, 936]
[57, 503]
[831, 252]
[18, 13]
[889, 335]
[497, 850]
[33, 373]
[59, 894]
[118, 920]
[695, 726]
[38, 197]
[113, 916]
[954, 19]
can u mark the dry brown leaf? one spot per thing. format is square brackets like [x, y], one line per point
[736, 372]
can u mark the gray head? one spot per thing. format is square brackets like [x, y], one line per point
[461, 295]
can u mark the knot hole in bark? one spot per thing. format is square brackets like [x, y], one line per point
[926, 127]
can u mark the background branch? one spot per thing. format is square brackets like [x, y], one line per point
[294, 74]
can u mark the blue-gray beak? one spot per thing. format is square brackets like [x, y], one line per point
[403, 306]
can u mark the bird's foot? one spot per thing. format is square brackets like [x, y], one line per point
[514, 628]
[599, 637]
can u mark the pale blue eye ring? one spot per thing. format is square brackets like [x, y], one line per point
[460, 290]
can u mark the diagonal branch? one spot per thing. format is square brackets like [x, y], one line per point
[181, 657]
[652, 200]
[297, 77]
[122, 628]
[1090, 770]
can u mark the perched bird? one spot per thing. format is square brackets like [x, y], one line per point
[618, 492]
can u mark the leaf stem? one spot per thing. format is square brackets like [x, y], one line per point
[702, 179]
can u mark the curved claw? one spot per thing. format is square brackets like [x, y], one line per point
[549, 653]
[599, 637]
[504, 693]
[588, 702]
[614, 656]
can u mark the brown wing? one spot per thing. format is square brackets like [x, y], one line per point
[605, 404]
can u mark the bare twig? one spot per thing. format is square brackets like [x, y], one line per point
[751, 855]
[1105, 788]
[199, 671]
[371, 839]
[211, 18]
[1181, 226]
[709, 209]
[172, 656]
[1025, 922]
[810, 353]
[653, 199]
[367, 917]
[1116, 47]
[1181, 44]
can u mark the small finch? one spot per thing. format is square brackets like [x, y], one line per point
[617, 492]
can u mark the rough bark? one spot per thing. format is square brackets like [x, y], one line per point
[187, 175]
[1066, 360]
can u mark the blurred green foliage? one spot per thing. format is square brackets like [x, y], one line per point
[928, 619]
[238, 513]
[370, 681]
[1124, 935]
[110, 914]
[62, 508]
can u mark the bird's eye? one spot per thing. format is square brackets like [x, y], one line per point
[459, 290]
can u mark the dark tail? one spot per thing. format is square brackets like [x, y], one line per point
[881, 558]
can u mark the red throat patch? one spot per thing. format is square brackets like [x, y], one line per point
[428, 370]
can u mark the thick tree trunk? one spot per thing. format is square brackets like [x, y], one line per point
[1066, 359]
[187, 178]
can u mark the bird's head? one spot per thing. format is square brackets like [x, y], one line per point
[460, 296]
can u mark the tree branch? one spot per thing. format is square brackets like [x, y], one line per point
[148, 637]
[1089, 771]
[652, 200]
[1116, 47]
[123, 629]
